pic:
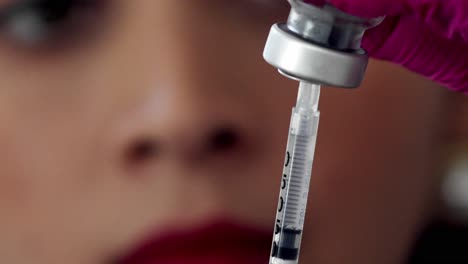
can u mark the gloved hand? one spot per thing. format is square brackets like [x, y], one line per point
[429, 37]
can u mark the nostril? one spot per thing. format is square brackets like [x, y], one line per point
[142, 151]
[223, 139]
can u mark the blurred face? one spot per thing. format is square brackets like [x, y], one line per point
[153, 132]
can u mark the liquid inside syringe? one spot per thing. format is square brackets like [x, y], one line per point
[296, 176]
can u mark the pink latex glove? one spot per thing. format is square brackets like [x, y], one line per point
[429, 37]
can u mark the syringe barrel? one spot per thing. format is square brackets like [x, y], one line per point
[295, 185]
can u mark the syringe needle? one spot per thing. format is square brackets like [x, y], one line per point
[296, 176]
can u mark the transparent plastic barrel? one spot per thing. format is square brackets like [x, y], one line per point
[295, 184]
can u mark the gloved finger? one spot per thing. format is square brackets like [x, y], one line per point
[372, 8]
[447, 17]
[409, 42]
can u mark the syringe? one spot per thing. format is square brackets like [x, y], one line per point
[318, 45]
[296, 176]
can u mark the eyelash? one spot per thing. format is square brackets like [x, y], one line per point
[34, 23]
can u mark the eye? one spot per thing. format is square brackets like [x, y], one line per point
[37, 22]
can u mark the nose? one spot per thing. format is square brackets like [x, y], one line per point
[184, 127]
[187, 109]
[220, 140]
[184, 107]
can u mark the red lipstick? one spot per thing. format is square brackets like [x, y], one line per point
[216, 243]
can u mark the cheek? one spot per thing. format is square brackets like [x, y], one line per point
[41, 155]
[44, 178]
[374, 169]
[53, 144]
[383, 133]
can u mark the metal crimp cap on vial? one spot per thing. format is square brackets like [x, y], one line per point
[320, 45]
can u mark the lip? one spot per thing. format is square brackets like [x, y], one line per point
[220, 242]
